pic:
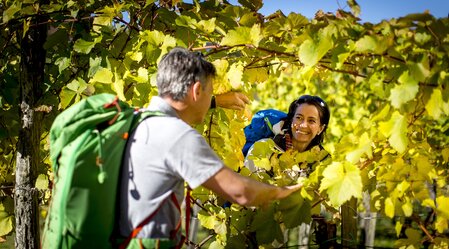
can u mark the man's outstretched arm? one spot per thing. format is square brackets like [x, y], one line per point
[244, 190]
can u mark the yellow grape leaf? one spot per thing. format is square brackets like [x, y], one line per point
[77, 85]
[441, 224]
[6, 216]
[435, 104]
[402, 187]
[208, 26]
[235, 75]
[263, 163]
[445, 153]
[342, 181]
[221, 81]
[406, 90]
[243, 35]
[364, 147]
[103, 75]
[66, 96]
[216, 245]
[256, 75]
[398, 228]
[425, 167]
[135, 56]
[389, 207]
[407, 208]
[42, 182]
[443, 206]
[118, 86]
[207, 221]
[142, 75]
[428, 203]
[396, 130]
[382, 114]
[220, 226]
[106, 16]
[256, 35]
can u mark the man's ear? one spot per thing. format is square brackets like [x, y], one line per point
[196, 90]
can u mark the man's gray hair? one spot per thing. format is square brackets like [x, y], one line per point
[179, 69]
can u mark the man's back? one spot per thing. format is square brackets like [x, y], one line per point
[160, 155]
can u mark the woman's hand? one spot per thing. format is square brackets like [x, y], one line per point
[232, 100]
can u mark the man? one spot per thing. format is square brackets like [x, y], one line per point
[165, 151]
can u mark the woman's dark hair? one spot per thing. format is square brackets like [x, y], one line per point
[323, 110]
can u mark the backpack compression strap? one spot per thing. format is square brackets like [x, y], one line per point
[136, 230]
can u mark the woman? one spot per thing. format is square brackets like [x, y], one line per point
[305, 125]
[303, 129]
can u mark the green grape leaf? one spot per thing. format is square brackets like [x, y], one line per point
[63, 63]
[372, 43]
[103, 75]
[83, 46]
[11, 11]
[292, 201]
[419, 71]
[243, 35]
[295, 210]
[342, 181]
[253, 5]
[413, 239]
[355, 8]
[396, 131]
[405, 91]
[267, 229]
[185, 21]
[435, 104]
[310, 51]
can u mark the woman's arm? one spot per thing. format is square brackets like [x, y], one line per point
[230, 100]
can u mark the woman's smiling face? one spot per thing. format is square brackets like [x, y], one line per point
[306, 125]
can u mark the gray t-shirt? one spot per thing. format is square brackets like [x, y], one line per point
[161, 154]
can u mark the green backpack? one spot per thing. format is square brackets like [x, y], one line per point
[87, 143]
